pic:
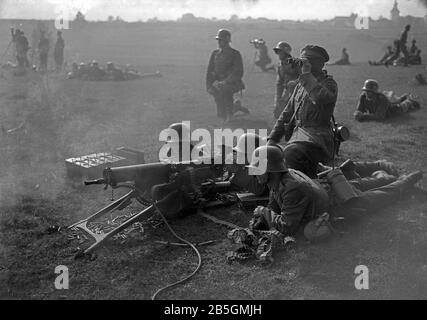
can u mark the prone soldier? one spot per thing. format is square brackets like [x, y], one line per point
[376, 106]
[95, 72]
[296, 201]
[115, 73]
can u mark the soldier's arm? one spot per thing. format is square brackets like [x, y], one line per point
[280, 87]
[278, 130]
[294, 206]
[320, 93]
[237, 69]
[210, 74]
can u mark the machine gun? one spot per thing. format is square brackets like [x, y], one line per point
[157, 186]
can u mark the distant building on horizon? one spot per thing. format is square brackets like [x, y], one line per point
[395, 13]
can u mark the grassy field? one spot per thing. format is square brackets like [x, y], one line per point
[61, 118]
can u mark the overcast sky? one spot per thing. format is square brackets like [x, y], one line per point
[133, 10]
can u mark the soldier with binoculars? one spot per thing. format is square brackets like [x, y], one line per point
[306, 119]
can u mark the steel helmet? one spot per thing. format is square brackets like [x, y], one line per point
[223, 34]
[275, 160]
[248, 142]
[371, 85]
[283, 46]
[183, 131]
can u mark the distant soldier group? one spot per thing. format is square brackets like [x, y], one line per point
[94, 72]
[392, 56]
[22, 47]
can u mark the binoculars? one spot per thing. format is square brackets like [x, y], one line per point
[257, 41]
[295, 62]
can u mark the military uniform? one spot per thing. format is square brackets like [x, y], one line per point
[285, 85]
[226, 68]
[381, 108]
[314, 100]
[43, 52]
[263, 59]
[296, 200]
[402, 45]
[59, 53]
[242, 181]
[299, 199]
[22, 47]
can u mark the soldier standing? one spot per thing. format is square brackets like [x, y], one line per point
[402, 44]
[21, 47]
[224, 75]
[59, 52]
[306, 119]
[43, 51]
[286, 78]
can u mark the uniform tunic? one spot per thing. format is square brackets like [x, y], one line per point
[225, 66]
[315, 99]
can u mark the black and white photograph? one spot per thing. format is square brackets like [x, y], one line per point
[215, 155]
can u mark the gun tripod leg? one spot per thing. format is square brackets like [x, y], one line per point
[118, 204]
[99, 239]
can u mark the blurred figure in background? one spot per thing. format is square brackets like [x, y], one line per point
[59, 52]
[43, 47]
[262, 59]
[345, 58]
[287, 77]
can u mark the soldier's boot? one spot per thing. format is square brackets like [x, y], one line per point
[237, 106]
[376, 180]
[367, 168]
[404, 182]
[407, 181]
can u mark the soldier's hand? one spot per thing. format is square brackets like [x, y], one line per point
[358, 116]
[306, 66]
